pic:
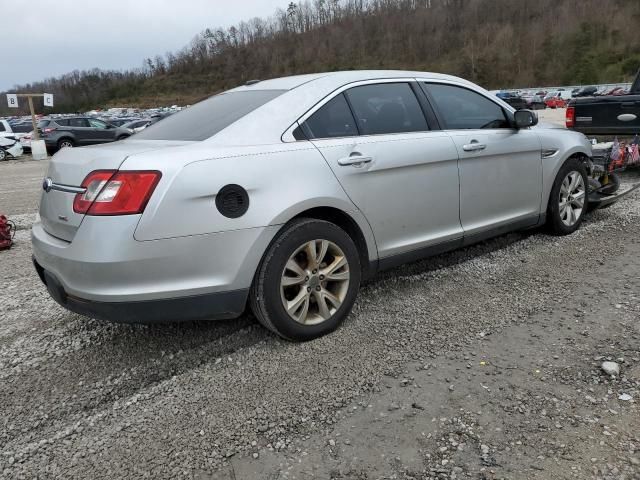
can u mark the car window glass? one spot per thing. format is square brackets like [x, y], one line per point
[333, 119]
[63, 122]
[462, 108]
[2, 129]
[206, 118]
[386, 108]
[43, 123]
[77, 122]
[97, 123]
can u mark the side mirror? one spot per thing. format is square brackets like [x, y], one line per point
[525, 118]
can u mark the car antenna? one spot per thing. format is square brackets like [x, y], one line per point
[252, 82]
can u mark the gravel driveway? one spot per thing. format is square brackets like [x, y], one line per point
[482, 363]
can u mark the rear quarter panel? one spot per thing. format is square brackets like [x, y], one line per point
[281, 180]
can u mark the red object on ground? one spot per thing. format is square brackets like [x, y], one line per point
[7, 230]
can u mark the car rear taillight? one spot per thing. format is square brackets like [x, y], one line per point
[570, 119]
[48, 130]
[110, 192]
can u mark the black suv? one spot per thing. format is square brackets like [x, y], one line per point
[79, 131]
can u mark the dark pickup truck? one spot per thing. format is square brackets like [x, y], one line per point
[609, 115]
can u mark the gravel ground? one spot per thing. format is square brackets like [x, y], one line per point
[482, 363]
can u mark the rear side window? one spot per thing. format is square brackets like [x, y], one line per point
[79, 122]
[386, 108]
[333, 119]
[2, 129]
[43, 123]
[63, 122]
[463, 109]
[206, 118]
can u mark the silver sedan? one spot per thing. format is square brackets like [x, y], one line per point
[285, 194]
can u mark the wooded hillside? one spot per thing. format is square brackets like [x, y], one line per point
[496, 43]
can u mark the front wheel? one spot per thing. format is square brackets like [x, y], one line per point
[308, 280]
[568, 201]
[3, 155]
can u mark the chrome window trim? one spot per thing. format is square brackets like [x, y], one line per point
[288, 137]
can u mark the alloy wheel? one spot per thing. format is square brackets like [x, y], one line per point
[314, 282]
[66, 144]
[572, 198]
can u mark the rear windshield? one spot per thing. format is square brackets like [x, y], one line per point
[43, 123]
[205, 119]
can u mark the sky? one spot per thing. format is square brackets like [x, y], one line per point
[44, 38]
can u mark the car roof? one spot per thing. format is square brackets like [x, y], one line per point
[340, 77]
[267, 123]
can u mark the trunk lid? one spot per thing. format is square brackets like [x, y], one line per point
[70, 166]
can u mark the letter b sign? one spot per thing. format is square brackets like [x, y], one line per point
[12, 100]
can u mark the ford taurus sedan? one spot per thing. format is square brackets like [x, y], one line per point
[285, 194]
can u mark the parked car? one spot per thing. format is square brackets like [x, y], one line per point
[138, 125]
[606, 115]
[286, 193]
[119, 122]
[555, 102]
[587, 91]
[513, 99]
[79, 131]
[9, 148]
[6, 131]
[535, 102]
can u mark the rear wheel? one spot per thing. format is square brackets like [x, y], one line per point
[65, 143]
[568, 201]
[308, 280]
[3, 155]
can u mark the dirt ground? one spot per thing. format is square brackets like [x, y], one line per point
[483, 363]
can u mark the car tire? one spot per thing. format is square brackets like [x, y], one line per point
[568, 202]
[65, 143]
[287, 275]
[3, 155]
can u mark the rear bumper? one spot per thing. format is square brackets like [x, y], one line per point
[105, 273]
[212, 306]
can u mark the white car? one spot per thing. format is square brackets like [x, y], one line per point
[283, 194]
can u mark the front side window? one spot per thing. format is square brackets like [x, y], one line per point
[464, 109]
[333, 119]
[386, 108]
[2, 129]
[97, 124]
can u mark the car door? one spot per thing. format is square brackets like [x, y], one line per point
[500, 166]
[399, 173]
[82, 131]
[101, 131]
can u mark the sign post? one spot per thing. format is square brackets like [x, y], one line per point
[37, 147]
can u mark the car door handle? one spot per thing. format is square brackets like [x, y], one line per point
[474, 147]
[628, 104]
[356, 160]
